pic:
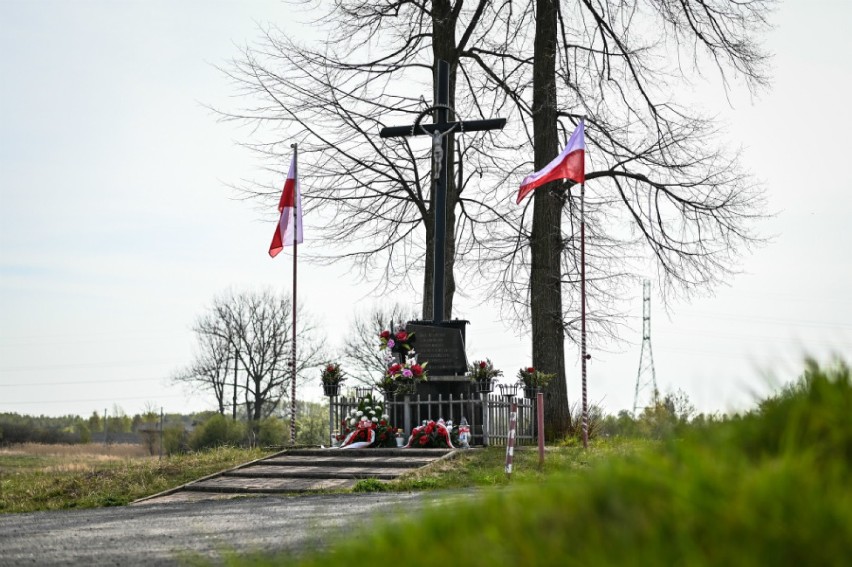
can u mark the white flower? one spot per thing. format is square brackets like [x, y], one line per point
[360, 413]
[354, 412]
[368, 408]
[364, 418]
[385, 416]
[375, 420]
[353, 421]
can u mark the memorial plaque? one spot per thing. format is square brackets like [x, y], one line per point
[441, 346]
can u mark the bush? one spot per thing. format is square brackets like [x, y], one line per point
[217, 431]
[271, 432]
[175, 440]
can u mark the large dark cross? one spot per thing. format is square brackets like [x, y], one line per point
[440, 131]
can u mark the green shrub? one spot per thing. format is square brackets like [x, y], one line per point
[217, 431]
[175, 440]
[271, 432]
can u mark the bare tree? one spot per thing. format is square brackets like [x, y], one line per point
[209, 369]
[662, 190]
[364, 361]
[253, 329]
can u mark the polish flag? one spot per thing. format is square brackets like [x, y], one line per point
[570, 164]
[290, 207]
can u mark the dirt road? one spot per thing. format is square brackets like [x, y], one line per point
[172, 533]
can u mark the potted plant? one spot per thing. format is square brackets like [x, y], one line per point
[533, 380]
[483, 373]
[332, 377]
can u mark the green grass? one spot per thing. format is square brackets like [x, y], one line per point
[768, 488]
[30, 483]
[486, 467]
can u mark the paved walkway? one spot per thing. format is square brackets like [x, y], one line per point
[301, 471]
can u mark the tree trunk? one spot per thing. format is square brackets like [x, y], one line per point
[548, 334]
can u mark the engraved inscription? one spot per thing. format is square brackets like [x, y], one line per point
[441, 347]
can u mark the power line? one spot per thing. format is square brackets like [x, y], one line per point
[85, 365]
[114, 399]
[103, 382]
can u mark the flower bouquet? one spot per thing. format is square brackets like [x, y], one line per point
[332, 378]
[483, 373]
[433, 435]
[533, 380]
[401, 378]
[400, 341]
[367, 426]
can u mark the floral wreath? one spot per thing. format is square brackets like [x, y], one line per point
[367, 426]
[433, 435]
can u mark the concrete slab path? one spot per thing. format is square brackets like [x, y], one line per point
[303, 470]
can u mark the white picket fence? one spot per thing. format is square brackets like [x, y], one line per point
[487, 415]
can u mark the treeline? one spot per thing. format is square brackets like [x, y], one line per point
[180, 432]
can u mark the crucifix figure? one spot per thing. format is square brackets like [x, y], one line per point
[440, 131]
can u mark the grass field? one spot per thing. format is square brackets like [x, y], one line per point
[51, 477]
[767, 488]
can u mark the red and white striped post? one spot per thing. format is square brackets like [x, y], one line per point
[510, 441]
[539, 400]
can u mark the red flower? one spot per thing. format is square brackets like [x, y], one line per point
[329, 368]
[401, 335]
[385, 334]
[383, 422]
[424, 440]
[394, 369]
[530, 369]
[416, 369]
[430, 427]
[483, 364]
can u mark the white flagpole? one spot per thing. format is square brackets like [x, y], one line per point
[295, 265]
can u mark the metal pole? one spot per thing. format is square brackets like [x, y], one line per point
[539, 400]
[106, 426]
[331, 420]
[295, 264]
[583, 309]
[161, 434]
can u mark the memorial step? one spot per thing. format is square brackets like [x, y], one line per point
[277, 471]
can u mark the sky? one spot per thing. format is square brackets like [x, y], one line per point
[118, 227]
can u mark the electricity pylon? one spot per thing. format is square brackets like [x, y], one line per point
[646, 377]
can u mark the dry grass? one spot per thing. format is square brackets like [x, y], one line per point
[39, 477]
[67, 458]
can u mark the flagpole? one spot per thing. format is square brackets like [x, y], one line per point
[295, 266]
[583, 355]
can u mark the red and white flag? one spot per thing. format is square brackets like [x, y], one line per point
[290, 207]
[570, 164]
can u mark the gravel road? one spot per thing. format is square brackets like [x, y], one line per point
[174, 533]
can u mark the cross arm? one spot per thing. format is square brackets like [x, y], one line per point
[429, 129]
